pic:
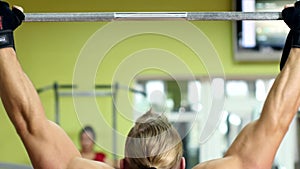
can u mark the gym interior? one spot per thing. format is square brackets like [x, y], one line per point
[150, 63]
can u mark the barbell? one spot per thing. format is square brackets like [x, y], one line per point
[110, 16]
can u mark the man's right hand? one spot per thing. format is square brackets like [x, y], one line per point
[291, 16]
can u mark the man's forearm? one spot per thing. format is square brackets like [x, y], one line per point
[17, 92]
[284, 98]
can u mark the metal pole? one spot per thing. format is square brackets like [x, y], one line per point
[114, 122]
[109, 16]
[56, 96]
[43, 89]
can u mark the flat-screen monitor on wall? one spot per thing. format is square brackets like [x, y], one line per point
[259, 40]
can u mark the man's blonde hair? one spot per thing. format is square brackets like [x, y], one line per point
[153, 143]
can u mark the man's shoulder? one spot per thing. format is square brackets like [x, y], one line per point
[221, 163]
[81, 163]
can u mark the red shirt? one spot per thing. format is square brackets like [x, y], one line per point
[99, 157]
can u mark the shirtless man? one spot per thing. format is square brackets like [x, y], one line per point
[49, 147]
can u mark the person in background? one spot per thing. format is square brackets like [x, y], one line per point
[87, 137]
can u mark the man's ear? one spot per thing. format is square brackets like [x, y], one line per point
[182, 163]
[122, 163]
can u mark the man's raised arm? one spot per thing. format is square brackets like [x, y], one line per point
[256, 145]
[47, 145]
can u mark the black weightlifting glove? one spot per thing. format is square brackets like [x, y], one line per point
[288, 15]
[291, 17]
[9, 21]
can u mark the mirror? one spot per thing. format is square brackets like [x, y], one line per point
[260, 40]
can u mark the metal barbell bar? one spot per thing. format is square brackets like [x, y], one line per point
[109, 16]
